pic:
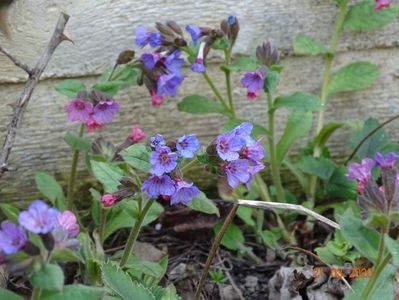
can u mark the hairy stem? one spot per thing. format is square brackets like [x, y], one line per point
[101, 226]
[134, 233]
[227, 57]
[36, 293]
[324, 90]
[215, 91]
[215, 246]
[72, 175]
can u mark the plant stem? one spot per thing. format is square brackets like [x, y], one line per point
[215, 91]
[134, 233]
[374, 277]
[324, 91]
[274, 165]
[101, 227]
[36, 293]
[214, 248]
[188, 166]
[227, 57]
[72, 175]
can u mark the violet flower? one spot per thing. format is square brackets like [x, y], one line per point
[157, 140]
[168, 84]
[198, 66]
[67, 220]
[254, 82]
[104, 111]
[184, 192]
[361, 172]
[174, 63]
[380, 4]
[155, 186]
[144, 37]
[187, 145]
[387, 161]
[254, 151]
[79, 110]
[195, 33]
[238, 171]
[228, 145]
[163, 160]
[39, 218]
[12, 238]
[150, 59]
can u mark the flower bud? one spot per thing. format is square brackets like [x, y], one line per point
[175, 27]
[108, 200]
[125, 57]
[164, 29]
[230, 27]
[267, 55]
[137, 135]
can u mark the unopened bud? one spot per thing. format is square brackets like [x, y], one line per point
[175, 27]
[125, 57]
[164, 29]
[267, 55]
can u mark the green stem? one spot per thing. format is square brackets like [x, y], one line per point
[324, 91]
[72, 175]
[214, 248]
[274, 165]
[134, 233]
[188, 166]
[374, 277]
[101, 227]
[215, 91]
[227, 56]
[37, 292]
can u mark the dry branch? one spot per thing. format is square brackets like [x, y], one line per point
[298, 208]
[34, 76]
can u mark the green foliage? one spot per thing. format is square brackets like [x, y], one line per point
[51, 189]
[217, 276]
[70, 88]
[272, 80]
[340, 186]
[362, 16]
[10, 212]
[321, 167]
[8, 295]
[298, 125]
[393, 247]
[245, 214]
[123, 75]
[325, 133]
[270, 238]
[108, 174]
[138, 156]
[244, 64]
[196, 104]
[49, 277]
[74, 292]
[147, 272]
[298, 101]
[352, 77]
[76, 142]
[203, 204]
[233, 238]
[308, 46]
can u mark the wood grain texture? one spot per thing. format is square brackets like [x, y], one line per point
[101, 29]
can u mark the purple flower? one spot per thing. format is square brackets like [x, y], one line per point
[254, 151]
[104, 111]
[198, 66]
[184, 192]
[228, 145]
[174, 63]
[238, 171]
[156, 186]
[144, 37]
[67, 221]
[362, 171]
[163, 160]
[380, 4]
[79, 110]
[195, 33]
[168, 84]
[150, 59]
[12, 238]
[244, 131]
[157, 140]
[254, 82]
[187, 145]
[386, 161]
[39, 218]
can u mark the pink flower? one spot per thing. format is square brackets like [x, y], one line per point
[137, 135]
[79, 110]
[155, 99]
[93, 125]
[67, 220]
[108, 200]
[380, 4]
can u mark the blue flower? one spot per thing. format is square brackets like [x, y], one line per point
[157, 140]
[12, 238]
[168, 85]
[386, 161]
[156, 186]
[39, 218]
[237, 171]
[228, 145]
[198, 66]
[184, 192]
[187, 145]
[174, 63]
[253, 150]
[163, 160]
[231, 20]
[195, 32]
[254, 82]
[150, 59]
[144, 37]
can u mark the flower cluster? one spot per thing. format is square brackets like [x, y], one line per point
[381, 4]
[93, 111]
[266, 56]
[164, 181]
[372, 195]
[241, 155]
[40, 219]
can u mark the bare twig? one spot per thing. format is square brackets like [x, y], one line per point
[231, 280]
[288, 206]
[34, 76]
[16, 61]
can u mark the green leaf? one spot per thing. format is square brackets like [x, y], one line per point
[119, 282]
[308, 46]
[364, 239]
[64, 255]
[49, 277]
[10, 212]
[270, 238]
[258, 131]
[74, 292]
[196, 104]
[373, 144]
[51, 189]
[109, 88]
[138, 156]
[321, 167]
[108, 174]
[298, 125]
[245, 214]
[362, 16]
[124, 75]
[356, 76]
[232, 238]
[393, 248]
[76, 142]
[8, 295]
[340, 186]
[325, 133]
[298, 101]
[271, 81]
[70, 88]
[203, 204]
[244, 63]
